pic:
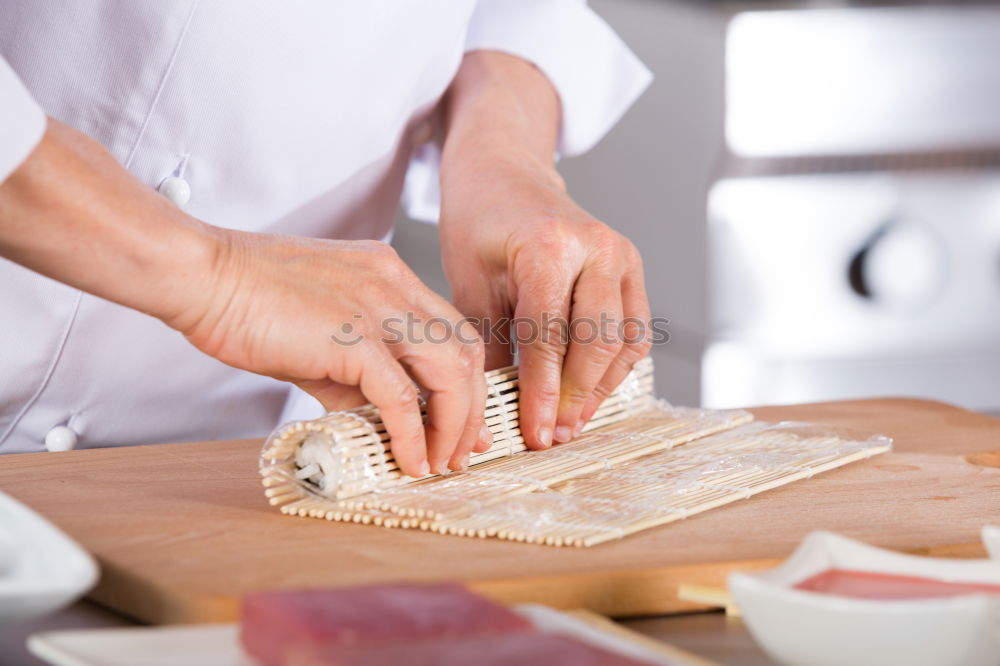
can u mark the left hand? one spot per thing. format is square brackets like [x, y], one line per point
[515, 244]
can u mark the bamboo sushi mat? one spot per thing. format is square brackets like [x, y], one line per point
[645, 463]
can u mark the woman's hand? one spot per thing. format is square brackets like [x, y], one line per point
[515, 244]
[332, 315]
[326, 315]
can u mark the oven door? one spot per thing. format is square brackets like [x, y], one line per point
[848, 285]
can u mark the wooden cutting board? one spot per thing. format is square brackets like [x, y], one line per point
[182, 530]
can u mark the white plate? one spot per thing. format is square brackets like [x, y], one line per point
[41, 569]
[218, 644]
[991, 539]
[804, 628]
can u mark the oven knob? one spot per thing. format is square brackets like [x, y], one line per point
[903, 266]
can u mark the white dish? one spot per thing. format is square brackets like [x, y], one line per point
[218, 644]
[991, 539]
[803, 628]
[41, 569]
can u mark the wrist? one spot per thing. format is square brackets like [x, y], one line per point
[186, 267]
[501, 122]
[70, 212]
[485, 167]
[485, 176]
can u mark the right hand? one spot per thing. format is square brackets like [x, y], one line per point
[264, 303]
[313, 312]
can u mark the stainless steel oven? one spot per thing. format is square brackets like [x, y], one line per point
[854, 233]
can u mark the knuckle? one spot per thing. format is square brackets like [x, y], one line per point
[375, 247]
[547, 352]
[638, 350]
[477, 351]
[602, 351]
[632, 255]
[553, 244]
[602, 236]
[555, 333]
[637, 336]
[397, 270]
[470, 357]
[459, 367]
[577, 394]
[390, 263]
[601, 392]
[407, 395]
[630, 355]
[547, 395]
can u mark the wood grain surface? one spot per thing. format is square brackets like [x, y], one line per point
[182, 530]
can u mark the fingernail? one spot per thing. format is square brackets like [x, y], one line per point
[578, 428]
[425, 468]
[464, 462]
[545, 437]
[485, 435]
[563, 434]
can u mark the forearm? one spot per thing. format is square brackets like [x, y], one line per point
[514, 244]
[72, 213]
[501, 118]
[266, 303]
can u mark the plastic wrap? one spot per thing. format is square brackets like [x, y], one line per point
[657, 428]
[669, 485]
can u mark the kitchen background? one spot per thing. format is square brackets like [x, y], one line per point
[815, 189]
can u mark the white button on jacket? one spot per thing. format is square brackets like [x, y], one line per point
[60, 438]
[176, 189]
[297, 118]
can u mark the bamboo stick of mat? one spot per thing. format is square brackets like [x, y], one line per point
[606, 485]
[425, 503]
[507, 442]
[360, 447]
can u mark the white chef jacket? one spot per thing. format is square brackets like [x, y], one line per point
[297, 117]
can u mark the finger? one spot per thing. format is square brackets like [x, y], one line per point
[475, 382]
[475, 429]
[446, 358]
[492, 324]
[476, 436]
[637, 336]
[540, 325]
[485, 442]
[445, 368]
[594, 344]
[387, 385]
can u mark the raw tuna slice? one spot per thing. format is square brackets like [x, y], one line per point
[272, 622]
[511, 650]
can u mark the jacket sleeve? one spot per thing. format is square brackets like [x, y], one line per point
[22, 121]
[595, 74]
